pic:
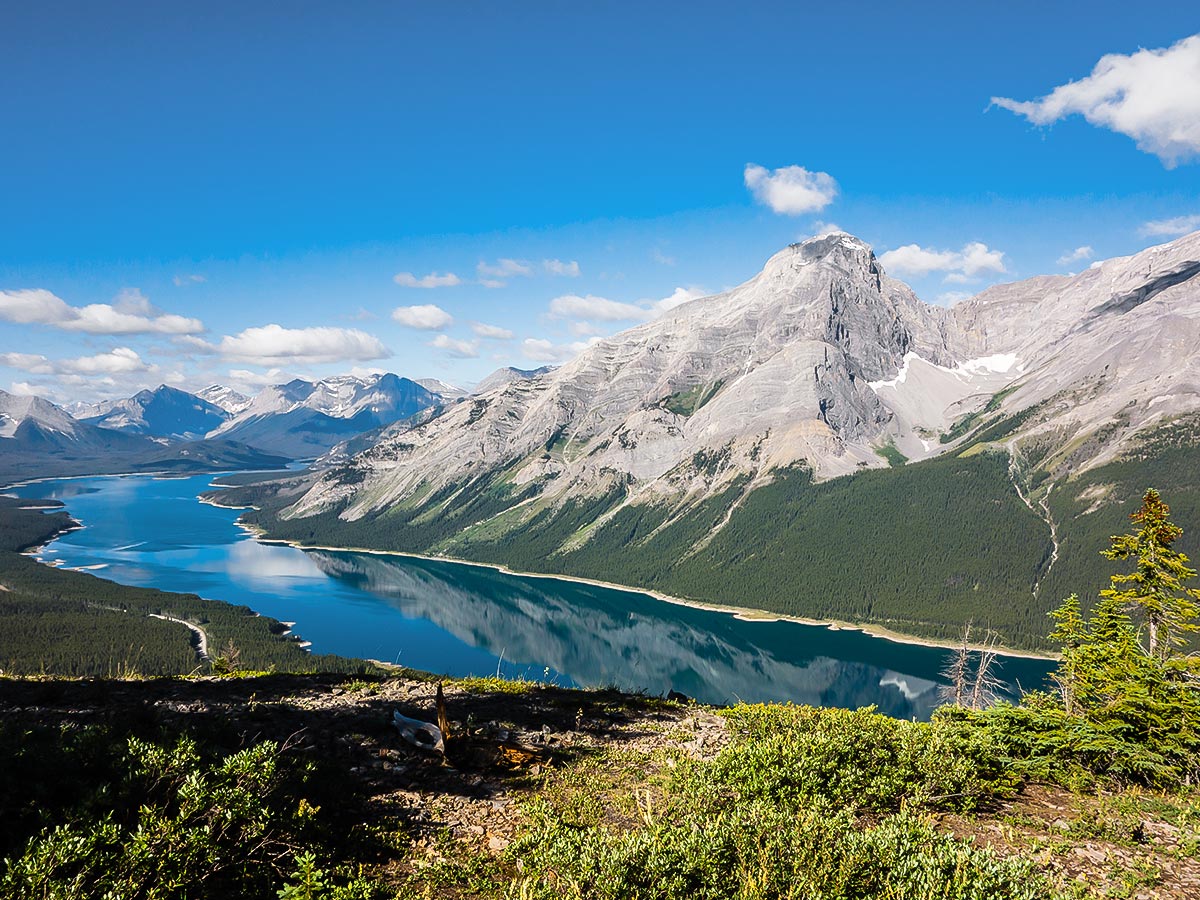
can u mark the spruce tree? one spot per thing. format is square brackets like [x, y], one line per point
[1070, 631]
[1156, 587]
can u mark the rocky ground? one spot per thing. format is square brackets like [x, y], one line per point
[513, 744]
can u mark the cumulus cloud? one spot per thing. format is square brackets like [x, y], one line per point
[600, 309]
[572, 306]
[427, 317]
[251, 382]
[1079, 254]
[504, 268]
[118, 361]
[119, 370]
[456, 348]
[1150, 96]
[432, 280]
[973, 260]
[274, 345]
[581, 328]
[1170, 227]
[792, 190]
[132, 313]
[185, 280]
[493, 332]
[544, 351]
[678, 297]
[824, 229]
[558, 267]
[34, 363]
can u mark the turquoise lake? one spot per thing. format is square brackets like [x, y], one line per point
[460, 619]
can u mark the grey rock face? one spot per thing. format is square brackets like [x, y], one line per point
[822, 360]
[778, 369]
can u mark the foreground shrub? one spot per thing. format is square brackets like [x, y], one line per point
[758, 851]
[175, 826]
[857, 759]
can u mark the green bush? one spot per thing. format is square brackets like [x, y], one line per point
[857, 759]
[174, 826]
[755, 851]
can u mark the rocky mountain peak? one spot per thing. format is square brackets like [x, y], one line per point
[843, 253]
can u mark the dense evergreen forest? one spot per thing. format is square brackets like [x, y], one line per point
[921, 548]
[73, 623]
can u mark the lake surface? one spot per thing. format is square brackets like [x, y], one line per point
[460, 619]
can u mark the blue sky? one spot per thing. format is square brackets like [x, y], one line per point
[239, 192]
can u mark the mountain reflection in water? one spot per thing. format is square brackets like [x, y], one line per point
[603, 636]
[460, 619]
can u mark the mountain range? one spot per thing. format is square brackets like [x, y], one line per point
[40, 440]
[687, 453]
[821, 360]
[165, 411]
[217, 425]
[306, 418]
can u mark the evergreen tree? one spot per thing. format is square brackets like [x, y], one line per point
[1070, 631]
[1156, 586]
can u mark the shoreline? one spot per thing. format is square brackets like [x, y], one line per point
[746, 614]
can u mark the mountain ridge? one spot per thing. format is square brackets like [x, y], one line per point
[701, 455]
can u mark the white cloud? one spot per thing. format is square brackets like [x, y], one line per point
[504, 268]
[678, 297]
[184, 280]
[949, 298]
[824, 229]
[1170, 227]
[132, 302]
[661, 258]
[34, 363]
[975, 259]
[131, 314]
[274, 345]
[120, 370]
[544, 351]
[558, 267]
[584, 329]
[432, 280]
[34, 306]
[601, 309]
[456, 348]
[572, 306]
[118, 361]
[1152, 96]
[427, 317]
[23, 389]
[251, 382]
[792, 190]
[494, 332]
[1079, 254]
[100, 318]
[493, 283]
